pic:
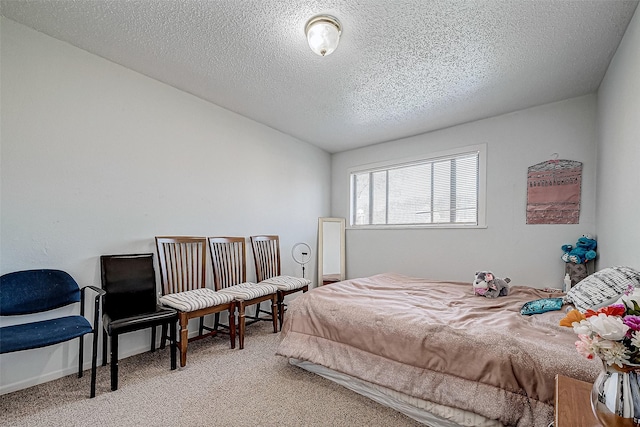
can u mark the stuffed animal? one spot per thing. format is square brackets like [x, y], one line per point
[584, 251]
[486, 284]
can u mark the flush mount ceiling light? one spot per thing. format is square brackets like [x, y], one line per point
[323, 34]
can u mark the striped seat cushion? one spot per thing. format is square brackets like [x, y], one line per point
[249, 290]
[287, 283]
[195, 299]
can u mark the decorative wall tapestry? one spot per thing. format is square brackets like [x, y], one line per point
[553, 192]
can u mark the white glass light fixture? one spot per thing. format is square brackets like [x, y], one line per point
[323, 34]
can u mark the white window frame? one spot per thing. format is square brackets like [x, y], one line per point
[480, 149]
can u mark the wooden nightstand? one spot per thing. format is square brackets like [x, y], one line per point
[573, 403]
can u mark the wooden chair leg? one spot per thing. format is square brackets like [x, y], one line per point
[216, 321]
[201, 327]
[274, 313]
[241, 322]
[257, 316]
[184, 339]
[280, 308]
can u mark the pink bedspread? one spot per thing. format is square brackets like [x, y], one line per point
[438, 342]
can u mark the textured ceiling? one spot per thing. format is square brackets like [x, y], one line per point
[403, 67]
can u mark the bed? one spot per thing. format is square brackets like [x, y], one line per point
[434, 351]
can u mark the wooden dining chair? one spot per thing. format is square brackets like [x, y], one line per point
[266, 255]
[183, 262]
[229, 274]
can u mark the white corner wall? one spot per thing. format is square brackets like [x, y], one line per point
[618, 183]
[528, 254]
[98, 159]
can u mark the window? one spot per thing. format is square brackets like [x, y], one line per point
[444, 190]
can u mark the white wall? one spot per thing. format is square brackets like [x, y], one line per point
[97, 159]
[528, 254]
[618, 206]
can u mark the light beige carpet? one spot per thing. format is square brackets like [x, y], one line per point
[218, 387]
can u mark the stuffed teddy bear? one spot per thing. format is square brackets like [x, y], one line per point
[486, 284]
[584, 251]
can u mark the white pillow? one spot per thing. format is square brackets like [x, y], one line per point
[602, 288]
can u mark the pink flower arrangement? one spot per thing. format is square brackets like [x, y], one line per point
[611, 333]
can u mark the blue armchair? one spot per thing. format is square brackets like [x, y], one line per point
[36, 291]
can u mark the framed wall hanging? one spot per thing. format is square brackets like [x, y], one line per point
[553, 192]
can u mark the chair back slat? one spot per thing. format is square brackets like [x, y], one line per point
[182, 262]
[228, 261]
[266, 255]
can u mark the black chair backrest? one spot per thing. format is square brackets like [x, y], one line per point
[34, 291]
[130, 283]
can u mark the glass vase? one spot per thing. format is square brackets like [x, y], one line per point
[615, 396]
